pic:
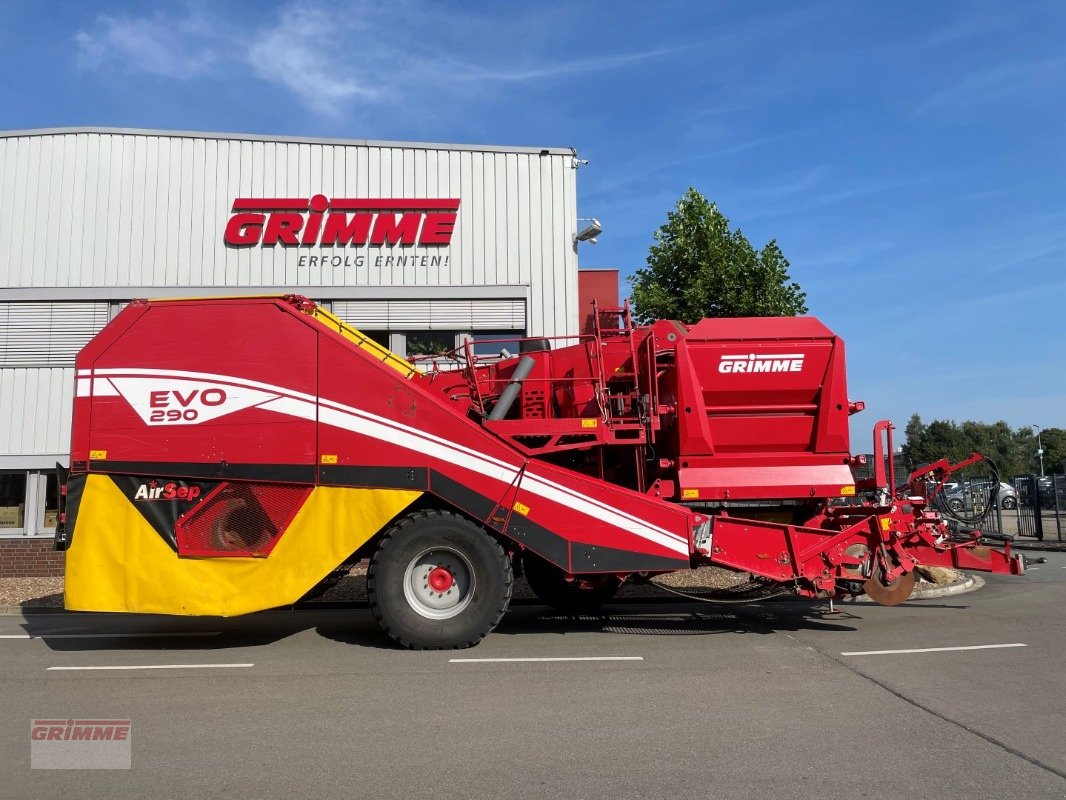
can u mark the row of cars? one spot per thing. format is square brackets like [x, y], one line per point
[965, 495]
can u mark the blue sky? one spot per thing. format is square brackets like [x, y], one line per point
[909, 157]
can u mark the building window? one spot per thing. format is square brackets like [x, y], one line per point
[51, 500]
[487, 343]
[430, 343]
[29, 503]
[381, 337]
[12, 502]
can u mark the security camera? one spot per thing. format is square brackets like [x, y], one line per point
[589, 232]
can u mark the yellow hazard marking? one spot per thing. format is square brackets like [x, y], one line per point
[118, 562]
[97, 455]
[847, 491]
[589, 423]
[329, 459]
[380, 352]
[690, 494]
[886, 524]
[521, 508]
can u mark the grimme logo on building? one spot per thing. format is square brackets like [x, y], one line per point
[343, 222]
[787, 362]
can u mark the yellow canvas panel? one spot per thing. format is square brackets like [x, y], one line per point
[118, 562]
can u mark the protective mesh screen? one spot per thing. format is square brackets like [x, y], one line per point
[239, 519]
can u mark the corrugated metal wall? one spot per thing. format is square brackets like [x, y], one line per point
[40, 401]
[97, 209]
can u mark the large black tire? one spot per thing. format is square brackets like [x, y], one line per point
[398, 581]
[581, 595]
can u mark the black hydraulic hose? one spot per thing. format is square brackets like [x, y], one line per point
[974, 520]
[510, 392]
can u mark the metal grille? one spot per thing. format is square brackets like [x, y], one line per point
[47, 334]
[239, 519]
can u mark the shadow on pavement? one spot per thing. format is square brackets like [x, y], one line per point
[659, 620]
[63, 631]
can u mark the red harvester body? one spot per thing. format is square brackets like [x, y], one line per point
[232, 454]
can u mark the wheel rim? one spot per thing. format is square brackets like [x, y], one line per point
[439, 583]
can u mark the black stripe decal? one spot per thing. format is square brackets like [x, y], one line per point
[594, 558]
[462, 497]
[222, 470]
[540, 540]
[375, 477]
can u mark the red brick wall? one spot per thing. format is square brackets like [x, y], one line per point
[29, 557]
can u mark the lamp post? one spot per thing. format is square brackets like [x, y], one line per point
[1040, 450]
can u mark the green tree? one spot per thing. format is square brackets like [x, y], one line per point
[1013, 449]
[1054, 441]
[697, 267]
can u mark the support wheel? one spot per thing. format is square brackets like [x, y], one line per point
[438, 581]
[581, 595]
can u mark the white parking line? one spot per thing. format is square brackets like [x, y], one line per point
[559, 658]
[105, 635]
[156, 666]
[932, 649]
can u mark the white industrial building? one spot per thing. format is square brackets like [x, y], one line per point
[426, 242]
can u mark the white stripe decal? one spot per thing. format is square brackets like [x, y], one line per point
[410, 441]
[305, 406]
[590, 508]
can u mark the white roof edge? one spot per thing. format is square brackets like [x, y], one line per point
[256, 137]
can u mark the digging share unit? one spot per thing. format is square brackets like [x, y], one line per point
[232, 455]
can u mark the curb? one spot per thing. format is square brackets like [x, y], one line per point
[18, 611]
[1040, 547]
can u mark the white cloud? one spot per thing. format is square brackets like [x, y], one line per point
[333, 56]
[301, 52]
[173, 47]
[1018, 81]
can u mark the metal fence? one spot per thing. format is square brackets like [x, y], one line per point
[1029, 507]
[1041, 511]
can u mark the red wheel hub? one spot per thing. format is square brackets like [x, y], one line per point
[440, 580]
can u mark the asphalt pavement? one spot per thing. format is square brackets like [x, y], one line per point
[659, 700]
